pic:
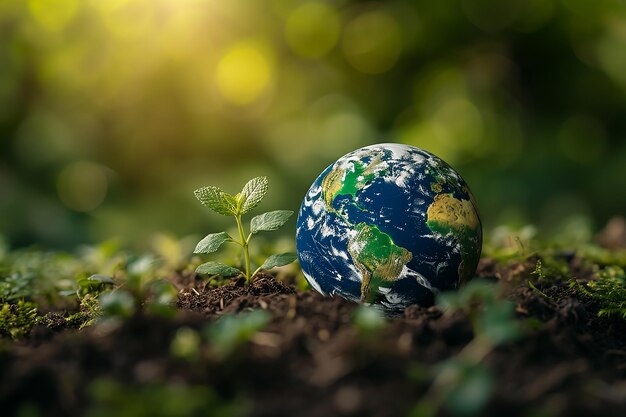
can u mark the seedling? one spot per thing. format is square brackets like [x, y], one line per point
[236, 206]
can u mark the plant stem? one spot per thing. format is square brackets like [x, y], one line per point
[244, 245]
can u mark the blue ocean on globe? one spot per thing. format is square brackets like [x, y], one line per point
[390, 225]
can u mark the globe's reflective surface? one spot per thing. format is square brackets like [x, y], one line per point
[388, 224]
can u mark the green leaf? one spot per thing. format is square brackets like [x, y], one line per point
[212, 242]
[217, 268]
[281, 259]
[217, 200]
[272, 220]
[104, 279]
[254, 191]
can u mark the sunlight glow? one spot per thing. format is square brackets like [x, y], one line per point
[53, 15]
[244, 72]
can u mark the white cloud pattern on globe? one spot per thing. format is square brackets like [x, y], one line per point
[390, 225]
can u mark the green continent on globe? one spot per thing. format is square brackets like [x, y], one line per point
[449, 215]
[341, 181]
[376, 256]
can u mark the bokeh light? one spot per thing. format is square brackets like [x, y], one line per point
[82, 186]
[244, 72]
[583, 140]
[312, 29]
[372, 42]
[114, 111]
[53, 15]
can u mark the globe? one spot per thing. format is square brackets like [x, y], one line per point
[390, 225]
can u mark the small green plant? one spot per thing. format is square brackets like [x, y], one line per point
[549, 271]
[609, 291]
[236, 206]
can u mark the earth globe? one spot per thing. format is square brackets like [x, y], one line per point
[390, 225]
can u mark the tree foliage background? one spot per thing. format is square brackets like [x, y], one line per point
[113, 111]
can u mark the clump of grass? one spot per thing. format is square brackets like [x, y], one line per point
[236, 206]
[608, 291]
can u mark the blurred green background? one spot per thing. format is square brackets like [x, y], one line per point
[113, 111]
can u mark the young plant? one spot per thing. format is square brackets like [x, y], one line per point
[236, 206]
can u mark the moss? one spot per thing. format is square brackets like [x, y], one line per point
[16, 320]
[608, 291]
[79, 320]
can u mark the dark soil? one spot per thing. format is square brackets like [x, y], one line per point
[312, 361]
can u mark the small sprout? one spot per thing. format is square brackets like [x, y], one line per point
[236, 206]
[539, 270]
[230, 332]
[186, 344]
[550, 271]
